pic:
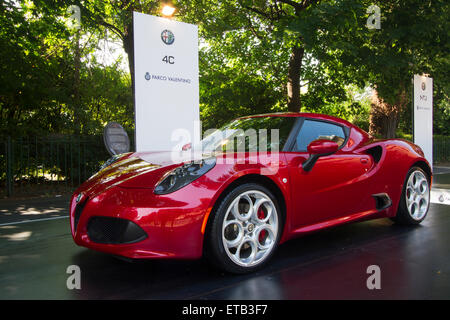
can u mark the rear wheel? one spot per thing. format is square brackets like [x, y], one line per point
[245, 229]
[415, 199]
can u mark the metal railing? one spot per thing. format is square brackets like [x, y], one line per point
[441, 149]
[40, 165]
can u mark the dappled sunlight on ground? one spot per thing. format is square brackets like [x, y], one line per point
[31, 209]
[21, 236]
[13, 233]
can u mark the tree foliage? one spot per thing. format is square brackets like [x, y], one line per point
[52, 80]
[38, 70]
[413, 39]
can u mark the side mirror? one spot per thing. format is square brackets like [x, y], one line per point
[317, 149]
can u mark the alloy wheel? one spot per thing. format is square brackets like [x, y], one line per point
[417, 195]
[250, 228]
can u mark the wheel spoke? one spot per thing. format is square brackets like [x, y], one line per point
[238, 211]
[422, 204]
[410, 185]
[234, 210]
[411, 207]
[232, 244]
[269, 208]
[416, 180]
[410, 194]
[269, 236]
[248, 259]
[423, 187]
[236, 241]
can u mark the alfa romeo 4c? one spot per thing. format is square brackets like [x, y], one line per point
[248, 187]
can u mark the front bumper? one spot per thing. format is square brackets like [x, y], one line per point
[171, 224]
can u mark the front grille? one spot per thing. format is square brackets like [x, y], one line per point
[78, 210]
[109, 230]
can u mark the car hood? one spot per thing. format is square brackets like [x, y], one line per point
[137, 170]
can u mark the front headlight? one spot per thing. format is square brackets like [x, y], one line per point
[182, 176]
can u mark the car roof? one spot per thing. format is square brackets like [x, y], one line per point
[318, 116]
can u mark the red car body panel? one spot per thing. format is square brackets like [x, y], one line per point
[339, 189]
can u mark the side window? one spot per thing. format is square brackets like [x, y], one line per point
[312, 130]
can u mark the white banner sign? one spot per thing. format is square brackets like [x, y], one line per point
[423, 115]
[166, 83]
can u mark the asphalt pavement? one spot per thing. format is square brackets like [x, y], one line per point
[36, 249]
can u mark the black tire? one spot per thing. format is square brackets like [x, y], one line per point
[215, 250]
[403, 216]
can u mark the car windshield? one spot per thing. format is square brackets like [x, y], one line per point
[250, 134]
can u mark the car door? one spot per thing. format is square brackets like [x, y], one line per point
[330, 189]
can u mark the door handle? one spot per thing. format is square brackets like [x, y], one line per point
[364, 160]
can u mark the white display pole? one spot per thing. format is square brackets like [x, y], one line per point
[166, 83]
[423, 115]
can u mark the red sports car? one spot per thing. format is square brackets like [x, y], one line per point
[255, 183]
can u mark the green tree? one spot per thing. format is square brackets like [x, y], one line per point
[258, 32]
[50, 74]
[413, 38]
[32, 57]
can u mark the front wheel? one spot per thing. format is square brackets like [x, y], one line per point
[415, 199]
[245, 229]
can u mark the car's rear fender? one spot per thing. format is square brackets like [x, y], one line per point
[389, 171]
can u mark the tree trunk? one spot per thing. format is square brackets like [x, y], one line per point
[384, 116]
[76, 86]
[128, 45]
[383, 120]
[390, 126]
[293, 84]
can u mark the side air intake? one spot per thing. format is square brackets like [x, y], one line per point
[376, 153]
[382, 201]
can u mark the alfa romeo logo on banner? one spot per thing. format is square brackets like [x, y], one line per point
[167, 37]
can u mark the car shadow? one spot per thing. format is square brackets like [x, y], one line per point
[107, 277]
